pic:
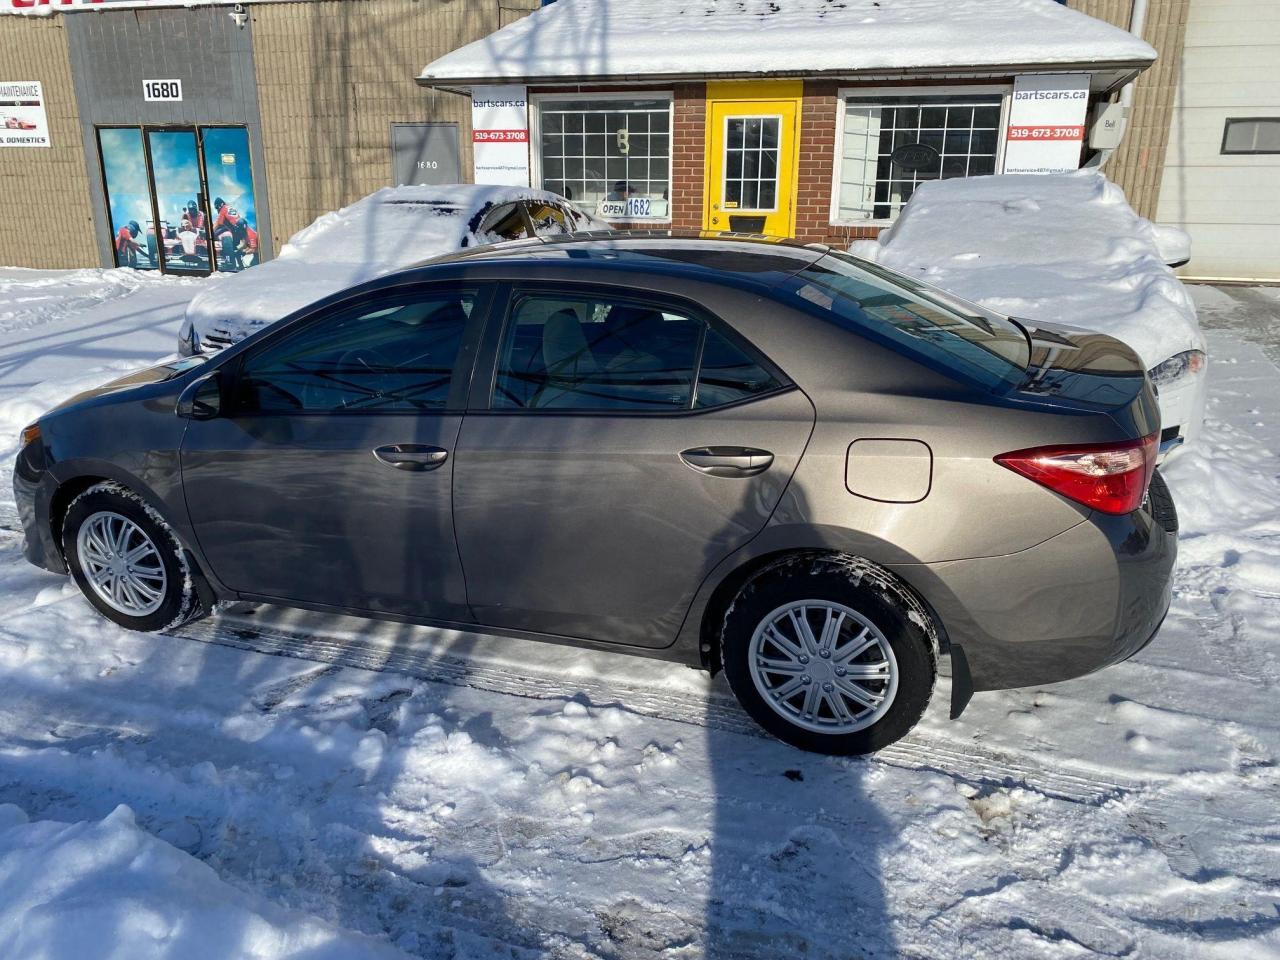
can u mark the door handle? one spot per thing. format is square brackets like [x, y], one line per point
[414, 457]
[728, 461]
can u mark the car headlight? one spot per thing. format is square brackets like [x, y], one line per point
[1185, 364]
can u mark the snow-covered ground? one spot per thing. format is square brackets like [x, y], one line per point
[480, 797]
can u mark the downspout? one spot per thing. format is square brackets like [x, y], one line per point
[1137, 22]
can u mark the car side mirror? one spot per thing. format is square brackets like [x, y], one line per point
[202, 399]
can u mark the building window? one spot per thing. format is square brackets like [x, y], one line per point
[1251, 135]
[611, 157]
[892, 143]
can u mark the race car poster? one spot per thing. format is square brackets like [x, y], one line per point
[22, 119]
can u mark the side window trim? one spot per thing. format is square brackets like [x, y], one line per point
[502, 312]
[464, 367]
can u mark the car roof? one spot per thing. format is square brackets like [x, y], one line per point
[722, 258]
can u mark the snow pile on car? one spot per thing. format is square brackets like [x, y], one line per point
[74, 890]
[1063, 248]
[385, 231]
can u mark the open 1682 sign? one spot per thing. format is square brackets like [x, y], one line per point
[162, 91]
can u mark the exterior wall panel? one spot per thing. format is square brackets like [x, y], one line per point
[1138, 164]
[1228, 203]
[45, 216]
[333, 78]
[112, 53]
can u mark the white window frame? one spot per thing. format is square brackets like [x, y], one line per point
[844, 94]
[535, 139]
[724, 163]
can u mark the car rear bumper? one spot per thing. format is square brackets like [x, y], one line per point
[1090, 597]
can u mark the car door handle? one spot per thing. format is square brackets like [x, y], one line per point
[411, 456]
[728, 461]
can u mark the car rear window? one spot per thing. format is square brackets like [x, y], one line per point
[929, 324]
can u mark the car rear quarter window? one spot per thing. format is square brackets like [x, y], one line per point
[912, 318]
[728, 374]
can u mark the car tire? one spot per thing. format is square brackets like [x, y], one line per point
[127, 561]
[826, 696]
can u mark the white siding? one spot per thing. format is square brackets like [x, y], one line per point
[1229, 203]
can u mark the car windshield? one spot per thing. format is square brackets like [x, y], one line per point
[929, 323]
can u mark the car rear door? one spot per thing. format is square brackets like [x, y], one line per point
[622, 444]
[327, 478]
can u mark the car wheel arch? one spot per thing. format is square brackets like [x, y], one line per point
[73, 482]
[729, 587]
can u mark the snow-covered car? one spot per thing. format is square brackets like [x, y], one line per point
[383, 232]
[1060, 249]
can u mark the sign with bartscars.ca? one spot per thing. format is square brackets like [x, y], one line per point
[500, 134]
[22, 119]
[1046, 123]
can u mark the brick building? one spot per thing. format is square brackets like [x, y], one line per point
[284, 109]
[805, 118]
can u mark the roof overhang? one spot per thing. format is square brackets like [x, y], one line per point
[1105, 76]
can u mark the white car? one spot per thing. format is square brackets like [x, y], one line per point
[1066, 249]
[383, 232]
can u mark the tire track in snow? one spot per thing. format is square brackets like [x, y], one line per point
[921, 751]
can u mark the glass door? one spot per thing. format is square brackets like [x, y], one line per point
[181, 202]
[129, 203]
[229, 182]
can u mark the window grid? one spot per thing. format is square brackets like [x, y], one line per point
[751, 162]
[965, 132]
[582, 149]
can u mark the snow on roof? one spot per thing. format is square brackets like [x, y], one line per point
[632, 38]
[1063, 248]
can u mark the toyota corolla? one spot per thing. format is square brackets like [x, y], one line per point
[767, 458]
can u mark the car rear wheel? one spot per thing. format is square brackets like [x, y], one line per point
[829, 654]
[127, 561]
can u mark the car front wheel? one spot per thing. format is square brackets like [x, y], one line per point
[829, 654]
[126, 560]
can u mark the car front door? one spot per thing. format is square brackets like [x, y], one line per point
[625, 444]
[327, 477]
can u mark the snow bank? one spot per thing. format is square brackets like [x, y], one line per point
[385, 231]
[597, 38]
[1064, 248]
[70, 891]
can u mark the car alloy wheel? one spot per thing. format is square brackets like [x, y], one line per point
[823, 667]
[121, 564]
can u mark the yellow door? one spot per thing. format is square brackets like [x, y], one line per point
[753, 151]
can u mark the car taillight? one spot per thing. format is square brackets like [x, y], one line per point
[1109, 477]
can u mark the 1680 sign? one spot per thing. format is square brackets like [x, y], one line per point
[162, 91]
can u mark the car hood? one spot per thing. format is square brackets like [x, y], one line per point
[159, 373]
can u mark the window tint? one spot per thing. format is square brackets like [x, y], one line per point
[590, 353]
[548, 219]
[504, 223]
[387, 355]
[728, 374]
[921, 321]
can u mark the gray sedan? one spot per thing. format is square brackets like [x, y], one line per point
[771, 459]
